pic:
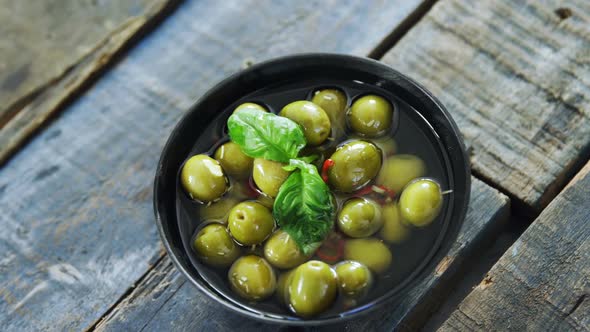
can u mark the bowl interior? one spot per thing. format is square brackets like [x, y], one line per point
[301, 74]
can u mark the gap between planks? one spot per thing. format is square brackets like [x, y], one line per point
[129, 291]
[46, 104]
[400, 31]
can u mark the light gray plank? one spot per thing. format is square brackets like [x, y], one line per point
[49, 49]
[75, 204]
[542, 283]
[166, 301]
[515, 77]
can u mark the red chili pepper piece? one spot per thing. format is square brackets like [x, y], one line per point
[250, 189]
[332, 249]
[364, 191]
[328, 163]
[381, 194]
[387, 191]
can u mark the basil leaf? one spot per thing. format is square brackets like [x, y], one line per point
[309, 159]
[266, 135]
[304, 207]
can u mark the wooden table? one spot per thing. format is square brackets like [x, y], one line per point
[80, 249]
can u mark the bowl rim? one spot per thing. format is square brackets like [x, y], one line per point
[416, 90]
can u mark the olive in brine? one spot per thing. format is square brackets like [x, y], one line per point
[250, 223]
[355, 164]
[420, 202]
[312, 289]
[370, 252]
[333, 102]
[312, 118]
[388, 146]
[219, 210]
[370, 115]
[214, 246]
[269, 176]
[283, 286]
[233, 160]
[250, 106]
[399, 170]
[203, 178]
[393, 230]
[354, 278]
[282, 251]
[266, 200]
[360, 217]
[252, 278]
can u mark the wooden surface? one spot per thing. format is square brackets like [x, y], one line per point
[542, 283]
[166, 301]
[49, 49]
[75, 205]
[77, 230]
[516, 79]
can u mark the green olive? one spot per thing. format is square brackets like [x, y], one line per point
[312, 118]
[233, 160]
[399, 170]
[354, 278]
[393, 230]
[217, 211]
[240, 190]
[333, 102]
[370, 115]
[312, 289]
[371, 252]
[266, 200]
[420, 202]
[269, 176]
[203, 179]
[250, 223]
[214, 246]
[282, 251]
[388, 146]
[360, 217]
[250, 106]
[355, 164]
[252, 278]
[283, 286]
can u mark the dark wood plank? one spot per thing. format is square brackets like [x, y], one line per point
[49, 49]
[165, 301]
[514, 75]
[75, 205]
[542, 283]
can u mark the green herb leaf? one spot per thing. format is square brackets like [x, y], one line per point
[266, 135]
[309, 159]
[304, 207]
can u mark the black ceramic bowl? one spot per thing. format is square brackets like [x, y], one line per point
[314, 69]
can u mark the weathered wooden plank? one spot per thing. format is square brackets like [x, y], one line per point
[515, 77]
[75, 205]
[45, 62]
[542, 283]
[166, 301]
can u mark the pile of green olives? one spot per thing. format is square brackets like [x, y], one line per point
[381, 197]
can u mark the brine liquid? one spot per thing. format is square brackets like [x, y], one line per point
[412, 134]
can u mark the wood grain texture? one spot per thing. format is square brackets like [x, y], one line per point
[42, 39]
[75, 205]
[46, 63]
[516, 79]
[542, 283]
[49, 48]
[166, 301]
